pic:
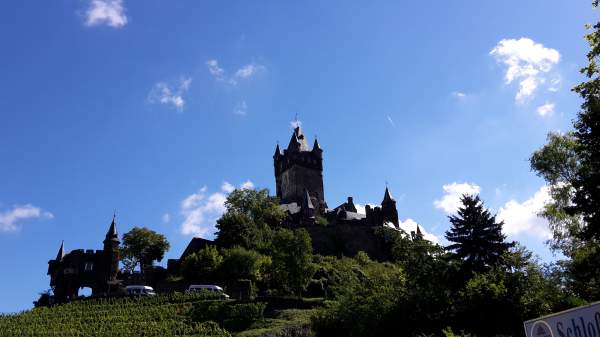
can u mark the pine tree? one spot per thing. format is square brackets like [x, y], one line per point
[587, 134]
[477, 237]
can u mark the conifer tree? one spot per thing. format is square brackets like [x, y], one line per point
[476, 237]
[587, 134]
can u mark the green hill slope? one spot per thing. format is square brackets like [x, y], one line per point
[162, 315]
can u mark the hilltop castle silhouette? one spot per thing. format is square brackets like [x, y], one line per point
[341, 231]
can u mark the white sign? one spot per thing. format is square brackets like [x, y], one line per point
[577, 322]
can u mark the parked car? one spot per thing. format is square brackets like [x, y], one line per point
[209, 287]
[140, 290]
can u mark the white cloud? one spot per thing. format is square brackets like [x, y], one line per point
[391, 121]
[249, 70]
[9, 220]
[247, 185]
[163, 93]
[526, 61]
[450, 202]
[227, 187]
[409, 225]
[108, 12]
[360, 208]
[554, 84]
[215, 70]
[166, 218]
[546, 109]
[241, 109]
[522, 218]
[201, 211]
[459, 95]
[245, 72]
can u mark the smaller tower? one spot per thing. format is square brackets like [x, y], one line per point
[61, 251]
[389, 212]
[308, 209]
[111, 251]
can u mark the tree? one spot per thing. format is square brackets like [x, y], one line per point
[557, 162]
[477, 237]
[142, 246]
[241, 263]
[202, 265]
[587, 133]
[292, 259]
[248, 220]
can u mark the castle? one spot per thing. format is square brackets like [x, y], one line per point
[299, 186]
[86, 268]
[338, 231]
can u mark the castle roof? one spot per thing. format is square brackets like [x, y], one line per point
[306, 202]
[387, 197]
[298, 141]
[61, 251]
[112, 231]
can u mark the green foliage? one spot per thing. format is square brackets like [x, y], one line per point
[240, 263]
[142, 246]
[570, 165]
[248, 220]
[161, 315]
[367, 298]
[477, 238]
[289, 322]
[292, 259]
[233, 317]
[202, 265]
[321, 221]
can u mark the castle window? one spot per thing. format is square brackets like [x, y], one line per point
[89, 266]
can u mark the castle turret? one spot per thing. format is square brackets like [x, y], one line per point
[300, 168]
[308, 210]
[111, 251]
[389, 212]
[61, 251]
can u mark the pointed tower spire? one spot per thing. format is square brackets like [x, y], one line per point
[316, 146]
[61, 251]
[112, 231]
[277, 151]
[419, 231]
[387, 197]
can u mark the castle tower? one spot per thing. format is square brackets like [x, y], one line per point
[111, 251]
[61, 251]
[297, 169]
[389, 212]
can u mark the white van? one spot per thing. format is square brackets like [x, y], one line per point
[209, 287]
[140, 290]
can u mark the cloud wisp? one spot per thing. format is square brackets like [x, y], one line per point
[10, 220]
[106, 12]
[245, 72]
[201, 209]
[527, 62]
[241, 109]
[164, 93]
[546, 110]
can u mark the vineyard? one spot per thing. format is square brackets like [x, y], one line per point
[162, 315]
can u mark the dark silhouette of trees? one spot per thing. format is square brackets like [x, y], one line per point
[142, 246]
[477, 238]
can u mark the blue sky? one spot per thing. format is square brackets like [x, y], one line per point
[157, 108]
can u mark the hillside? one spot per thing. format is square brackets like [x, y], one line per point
[163, 315]
[176, 314]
